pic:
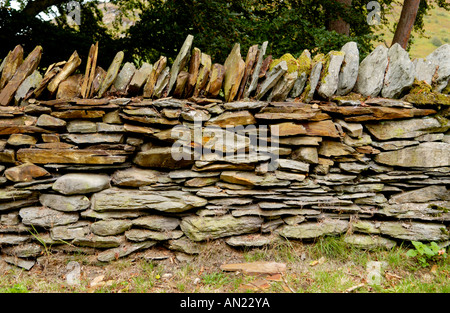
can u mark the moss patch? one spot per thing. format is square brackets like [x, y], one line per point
[290, 60]
[304, 62]
[350, 96]
[422, 94]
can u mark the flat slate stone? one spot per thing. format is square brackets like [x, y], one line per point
[185, 245]
[369, 242]
[400, 73]
[124, 250]
[371, 72]
[157, 222]
[65, 203]
[404, 128]
[45, 217]
[110, 227]
[349, 71]
[311, 230]
[426, 194]
[71, 184]
[234, 72]
[25, 172]
[128, 199]
[136, 177]
[139, 235]
[330, 79]
[199, 228]
[180, 61]
[428, 154]
[70, 156]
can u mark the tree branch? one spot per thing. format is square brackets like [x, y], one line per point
[34, 7]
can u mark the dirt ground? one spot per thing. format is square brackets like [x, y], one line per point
[160, 270]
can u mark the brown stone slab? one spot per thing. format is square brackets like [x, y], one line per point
[139, 129]
[375, 112]
[10, 111]
[25, 69]
[193, 72]
[181, 83]
[285, 116]
[43, 84]
[323, 128]
[150, 120]
[54, 102]
[71, 65]
[25, 172]
[67, 156]
[249, 64]
[65, 107]
[102, 101]
[7, 156]
[9, 130]
[55, 145]
[19, 121]
[12, 62]
[234, 72]
[203, 74]
[78, 114]
[90, 71]
[158, 67]
[215, 80]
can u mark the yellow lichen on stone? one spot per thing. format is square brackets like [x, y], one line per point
[290, 60]
[304, 62]
[422, 94]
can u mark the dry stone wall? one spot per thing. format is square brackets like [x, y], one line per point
[251, 152]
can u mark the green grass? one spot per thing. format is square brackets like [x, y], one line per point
[436, 26]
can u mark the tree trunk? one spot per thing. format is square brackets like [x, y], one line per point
[339, 25]
[406, 22]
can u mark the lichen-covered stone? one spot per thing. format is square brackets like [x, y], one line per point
[312, 230]
[371, 72]
[199, 228]
[71, 184]
[291, 62]
[129, 199]
[428, 154]
[400, 73]
[330, 74]
[349, 71]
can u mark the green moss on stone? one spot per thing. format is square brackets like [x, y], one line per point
[304, 62]
[420, 87]
[446, 90]
[350, 96]
[290, 60]
[318, 58]
[326, 65]
[439, 208]
[422, 94]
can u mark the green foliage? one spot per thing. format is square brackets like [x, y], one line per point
[17, 288]
[290, 26]
[59, 40]
[436, 41]
[426, 253]
[216, 279]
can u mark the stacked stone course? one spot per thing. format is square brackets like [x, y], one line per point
[88, 164]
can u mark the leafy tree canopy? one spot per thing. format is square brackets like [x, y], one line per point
[162, 25]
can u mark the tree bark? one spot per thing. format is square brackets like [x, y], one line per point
[406, 22]
[339, 25]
